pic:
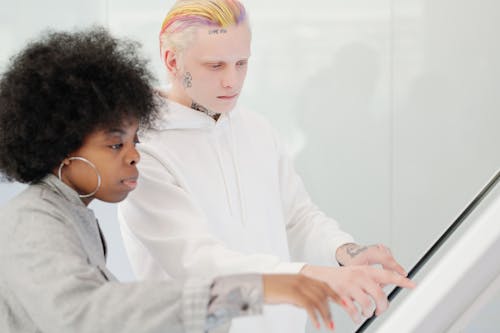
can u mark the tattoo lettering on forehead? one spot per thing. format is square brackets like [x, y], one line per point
[187, 80]
[217, 31]
[354, 250]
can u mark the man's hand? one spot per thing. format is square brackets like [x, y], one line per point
[353, 254]
[360, 285]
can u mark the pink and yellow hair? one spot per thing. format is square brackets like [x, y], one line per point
[217, 13]
[188, 14]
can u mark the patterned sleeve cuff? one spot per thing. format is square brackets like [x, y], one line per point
[195, 296]
[234, 296]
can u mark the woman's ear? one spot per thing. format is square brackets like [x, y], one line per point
[66, 161]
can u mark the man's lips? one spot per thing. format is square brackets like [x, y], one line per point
[228, 96]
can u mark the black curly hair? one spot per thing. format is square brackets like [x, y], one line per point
[63, 87]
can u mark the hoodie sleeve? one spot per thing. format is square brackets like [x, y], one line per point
[312, 236]
[166, 233]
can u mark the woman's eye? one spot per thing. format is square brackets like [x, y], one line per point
[242, 63]
[215, 66]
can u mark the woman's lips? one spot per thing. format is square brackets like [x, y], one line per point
[131, 183]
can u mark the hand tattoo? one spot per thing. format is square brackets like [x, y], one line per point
[187, 80]
[354, 250]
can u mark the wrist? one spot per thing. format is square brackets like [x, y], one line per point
[342, 254]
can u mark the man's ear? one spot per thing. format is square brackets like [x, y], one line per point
[171, 63]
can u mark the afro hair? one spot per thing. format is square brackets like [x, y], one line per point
[63, 87]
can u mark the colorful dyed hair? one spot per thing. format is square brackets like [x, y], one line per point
[188, 14]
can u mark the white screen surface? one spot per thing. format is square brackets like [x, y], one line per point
[455, 277]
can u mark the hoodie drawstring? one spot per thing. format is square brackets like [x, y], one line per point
[239, 184]
[221, 168]
[237, 171]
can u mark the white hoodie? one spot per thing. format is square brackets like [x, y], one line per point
[221, 197]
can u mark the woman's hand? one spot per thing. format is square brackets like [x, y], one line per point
[302, 291]
[359, 284]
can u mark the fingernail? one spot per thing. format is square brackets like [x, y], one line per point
[317, 326]
[331, 325]
[344, 303]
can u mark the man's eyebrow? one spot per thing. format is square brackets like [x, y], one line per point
[211, 60]
[207, 60]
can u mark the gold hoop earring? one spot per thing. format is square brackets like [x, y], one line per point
[59, 174]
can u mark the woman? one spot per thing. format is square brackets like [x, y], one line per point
[70, 108]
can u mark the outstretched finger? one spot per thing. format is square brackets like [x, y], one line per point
[378, 296]
[312, 314]
[363, 299]
[391, 264]
[319, 300]
[384, 277]
[351, 309]
[382, 255]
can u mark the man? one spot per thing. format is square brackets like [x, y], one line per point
[218, 194]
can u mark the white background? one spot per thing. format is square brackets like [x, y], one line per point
[391, 109]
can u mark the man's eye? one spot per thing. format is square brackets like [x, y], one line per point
[215, 66]
[242, 63]
[116, 146]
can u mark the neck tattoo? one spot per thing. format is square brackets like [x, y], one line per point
[201, 108]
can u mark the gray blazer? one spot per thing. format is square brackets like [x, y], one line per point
[53, 276]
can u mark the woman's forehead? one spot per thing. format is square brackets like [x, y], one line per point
[127, 126]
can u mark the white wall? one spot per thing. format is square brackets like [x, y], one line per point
[390, 108]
